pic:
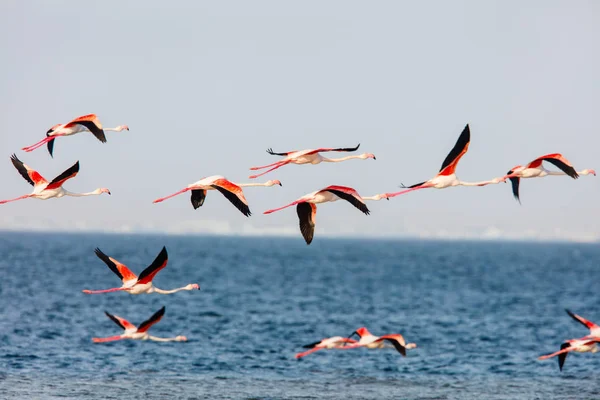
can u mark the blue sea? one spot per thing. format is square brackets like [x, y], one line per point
[480, 312]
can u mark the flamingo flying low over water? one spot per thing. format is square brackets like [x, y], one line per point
[138, 333]
[306, 206]
[586, 344]
[535, 169]
[335, 342]
[85, 123]
[138, 284]
[232, 191]
[447, 176]
[44, 190]
[367, 339]
[309, 156]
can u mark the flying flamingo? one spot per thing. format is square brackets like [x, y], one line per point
[535, 169]
[447, 176]
[44, 190]
[138, 284]
[583, 345]
[309, 156]
[138, 333]
[370, 341]
[86, 123]
[232, 191]
[307, 209]
[335, 342]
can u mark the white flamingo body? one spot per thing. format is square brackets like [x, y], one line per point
[44, 190]
[141, 284]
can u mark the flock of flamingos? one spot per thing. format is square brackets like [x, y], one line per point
[306, 208]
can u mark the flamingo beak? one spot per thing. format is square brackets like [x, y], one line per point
[374, 158]
[108, 191]
[280, 184]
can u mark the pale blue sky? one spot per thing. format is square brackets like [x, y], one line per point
[207, 87]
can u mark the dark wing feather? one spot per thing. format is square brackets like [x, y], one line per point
[198, 197]
[463, 140]
[347, 148]
[307, 225]
[239, 204]
[50, 145]
[562, 357]
[99, 133]
[159, 263]
[144, 326]
[312, 345]
[572, 315]
[515, 186]
[412, 186]
[108, 262]
[351, 199]
[401, 349]
[567, 169]
[68, 174]
[115, 320]
[271, 152]
[21, 168]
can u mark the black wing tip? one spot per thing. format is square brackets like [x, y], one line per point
[14, 158]
[311, 345]
[99, 252]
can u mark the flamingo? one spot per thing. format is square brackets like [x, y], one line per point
[307, 209]
[447, 176]
[138, 284]
[137, 333]
[309, 156]
[368, 340]
[586, 344]
[85, 123]
[44, 190]
[335, 342]
[232, 191]
[535, 169]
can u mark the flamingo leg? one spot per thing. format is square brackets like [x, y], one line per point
[305, 353]
[171, 195]
[389, 195]
[104, 291]
[18, 198]
[38, 144]
[266, 166]
[557, 353]
[281, 208]
[107, 339]
[279, 165]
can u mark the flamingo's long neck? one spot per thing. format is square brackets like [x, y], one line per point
[94, 193]
[482, 183]
[160, 291]
[325, 159]
[158, 339]
[116, 129]
[18, 198]
[266, 184]
[104, 291]
[171, 195]
[377, 197]
[582, 172]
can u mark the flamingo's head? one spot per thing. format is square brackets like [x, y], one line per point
[588, 172]
[181, 339]
[411, 346]
[122, 128]
[367, 155]
[274, 182]
[192, 286]
[102, 190]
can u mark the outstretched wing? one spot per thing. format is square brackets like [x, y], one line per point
[234, 194]
[459, 150]
[92, 124]
[198, 197]
[159, 263]
[557, 160]
[122, 322]
[594, 329]
[323, 149]
[62, 178]
[515, 181]
[396, 342]
[30, 175]
[350, 195]
[307, 213]
[144, 326]
[119, 269]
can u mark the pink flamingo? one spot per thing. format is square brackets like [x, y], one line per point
[142, 284]
[447, 177]
[309, 156]
[307, 209]
[335, 342]
[89, 123]
[371, 341]
[535, 169]
[44, 190]
[137, 333]
[586, 344]
[232, 191]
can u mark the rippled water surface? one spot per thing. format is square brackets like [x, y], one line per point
[481, 314]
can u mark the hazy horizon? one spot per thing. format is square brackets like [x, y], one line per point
[207, 87]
